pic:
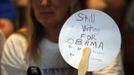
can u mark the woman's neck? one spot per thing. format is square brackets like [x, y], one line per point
[52, 34]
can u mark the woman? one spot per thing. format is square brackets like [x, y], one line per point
[48, 17]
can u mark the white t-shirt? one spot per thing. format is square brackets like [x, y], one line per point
[13, 59]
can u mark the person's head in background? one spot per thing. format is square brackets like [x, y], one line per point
[48, 16]
[104, 4]
[96, 4]
[7, 17]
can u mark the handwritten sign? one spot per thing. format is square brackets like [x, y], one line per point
[93, 29]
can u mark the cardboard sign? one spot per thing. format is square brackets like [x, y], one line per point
[94, 29]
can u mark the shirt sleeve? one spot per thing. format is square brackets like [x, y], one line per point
[115, 68]
[13, 60]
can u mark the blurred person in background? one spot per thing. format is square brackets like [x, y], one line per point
[7, 17]
[2, 40]
[114, 8]
[96, 4]
[129, 19]
[129, 40]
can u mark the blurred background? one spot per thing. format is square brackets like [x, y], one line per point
[13, 16]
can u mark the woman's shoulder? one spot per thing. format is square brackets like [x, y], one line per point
[16, 37]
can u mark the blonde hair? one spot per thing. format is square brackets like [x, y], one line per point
[36, 28]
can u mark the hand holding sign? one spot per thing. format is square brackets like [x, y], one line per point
[92, 29]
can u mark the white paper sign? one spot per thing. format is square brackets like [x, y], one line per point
[94, 29]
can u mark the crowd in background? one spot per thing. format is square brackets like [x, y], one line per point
[14, 18]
